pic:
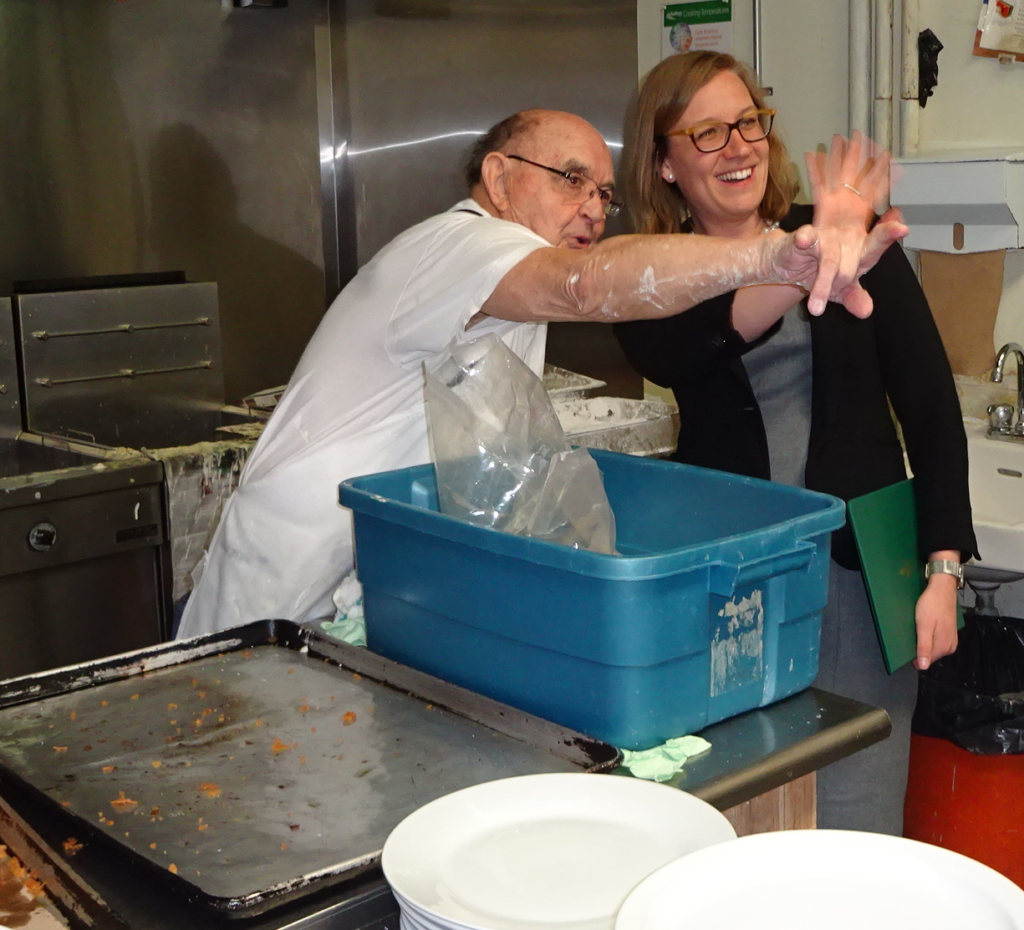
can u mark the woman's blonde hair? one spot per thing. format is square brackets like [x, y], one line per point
[654, 205]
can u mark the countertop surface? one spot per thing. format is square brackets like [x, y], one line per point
[31, 473]
[750, 754]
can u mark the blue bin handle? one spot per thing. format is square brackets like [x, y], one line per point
[726, 576]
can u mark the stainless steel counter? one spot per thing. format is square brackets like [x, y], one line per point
[765, 748]
[750, 754]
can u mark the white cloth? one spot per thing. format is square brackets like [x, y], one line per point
[354, 406]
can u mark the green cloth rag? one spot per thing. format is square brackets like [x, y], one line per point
[349, 629]
[660, 763]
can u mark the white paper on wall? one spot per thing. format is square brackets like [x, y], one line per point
[1001, 29]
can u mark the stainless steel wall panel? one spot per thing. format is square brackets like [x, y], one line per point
[427, 77]
[169, 134]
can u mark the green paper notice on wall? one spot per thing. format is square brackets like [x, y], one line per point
[696, 24]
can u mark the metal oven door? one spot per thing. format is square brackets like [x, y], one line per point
[81, 578]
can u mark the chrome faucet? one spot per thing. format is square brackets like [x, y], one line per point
[1002, 423]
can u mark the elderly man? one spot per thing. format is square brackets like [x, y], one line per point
[521, 251]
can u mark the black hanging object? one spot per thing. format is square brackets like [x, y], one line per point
[928, 48]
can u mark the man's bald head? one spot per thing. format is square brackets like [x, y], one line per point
[524, 130]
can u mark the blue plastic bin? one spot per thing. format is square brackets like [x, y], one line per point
[712, 608]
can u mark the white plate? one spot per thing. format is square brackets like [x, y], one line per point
[416, 918]
[811, 879]
[556, 850]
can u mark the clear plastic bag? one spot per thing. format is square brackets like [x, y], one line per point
[501, 457]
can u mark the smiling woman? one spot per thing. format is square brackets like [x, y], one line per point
[766, 390]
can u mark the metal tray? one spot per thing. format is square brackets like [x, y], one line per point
[254, 766]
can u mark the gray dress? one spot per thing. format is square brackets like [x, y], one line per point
[865, 791]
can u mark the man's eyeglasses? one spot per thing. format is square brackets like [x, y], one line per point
[714, 135]
[576, 189]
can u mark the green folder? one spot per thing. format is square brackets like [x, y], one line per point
[884, 526]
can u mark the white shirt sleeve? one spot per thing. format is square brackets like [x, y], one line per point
[458, 269]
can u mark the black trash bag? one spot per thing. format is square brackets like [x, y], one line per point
[975, 697]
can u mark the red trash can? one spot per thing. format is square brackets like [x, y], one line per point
[971, 804]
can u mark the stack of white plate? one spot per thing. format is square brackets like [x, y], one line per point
[812, 879]
[558, 851]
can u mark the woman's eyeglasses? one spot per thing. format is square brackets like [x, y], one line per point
[714, 134]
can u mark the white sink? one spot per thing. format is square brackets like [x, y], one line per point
[997, 499]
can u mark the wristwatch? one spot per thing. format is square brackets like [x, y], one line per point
[946, 567]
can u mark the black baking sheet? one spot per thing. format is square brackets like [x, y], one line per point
[255, 765]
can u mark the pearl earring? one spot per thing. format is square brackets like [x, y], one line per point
[671, 178]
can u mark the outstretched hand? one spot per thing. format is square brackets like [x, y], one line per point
[829, 257]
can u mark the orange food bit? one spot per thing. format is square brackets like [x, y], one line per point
[172, 706]
[152, 845]
[209, 789]
[103, 703]
[348, 718]
[156, 763]
[312, 729]
[73, 715]
[202, 826]
[173, 869]
[71, 845]
[122, 804]
[107, 769]
[303, 708]
[134, 697]
[302, 760]
[60, 748]
[279, 746]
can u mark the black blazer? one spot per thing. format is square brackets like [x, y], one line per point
[858, 368]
